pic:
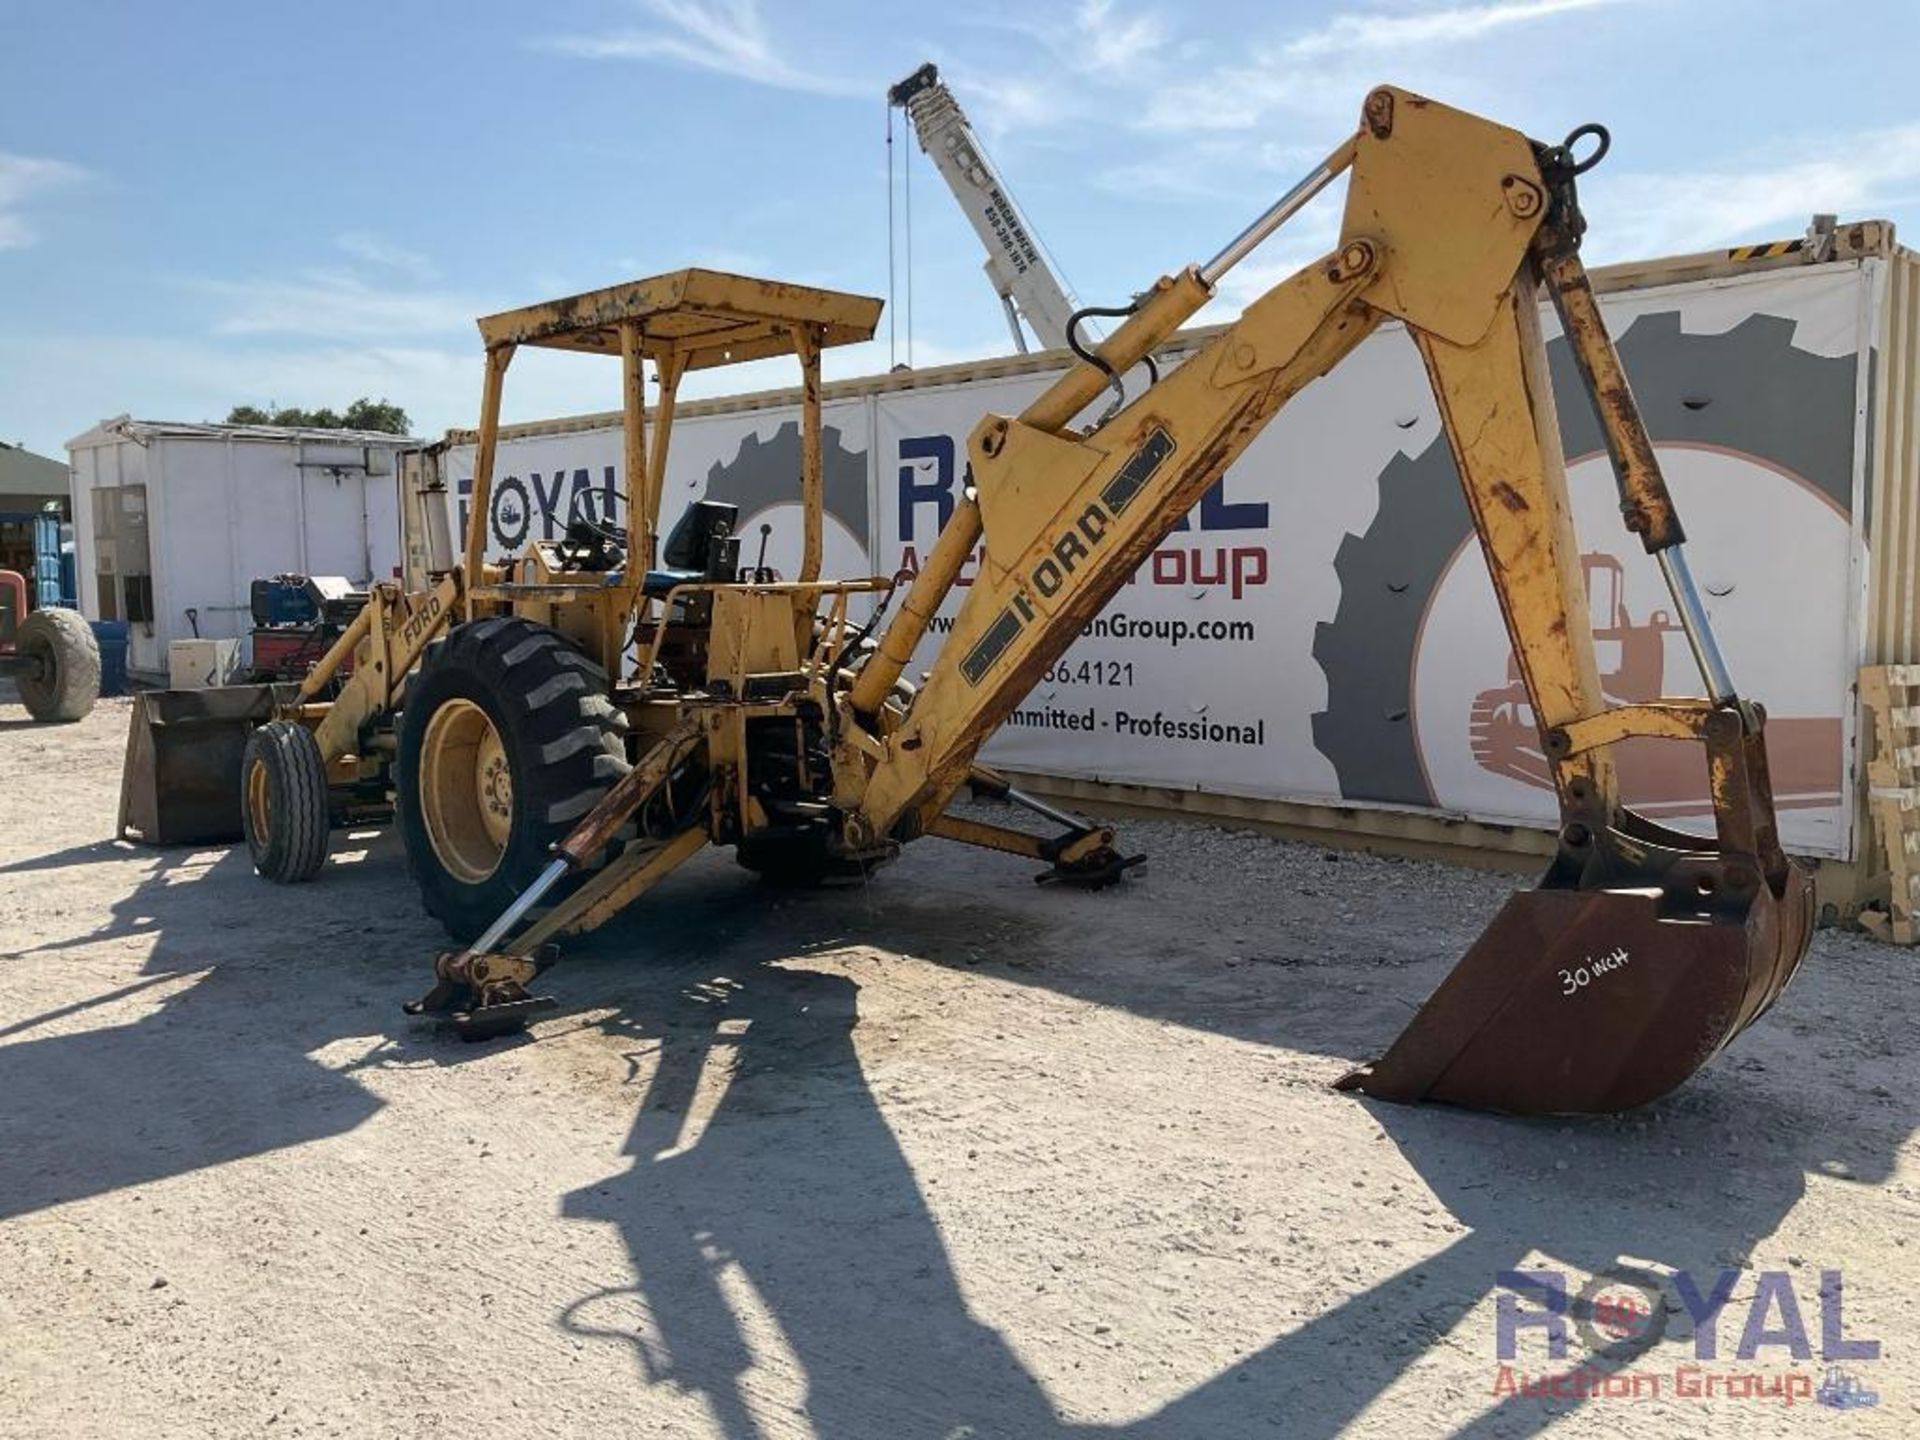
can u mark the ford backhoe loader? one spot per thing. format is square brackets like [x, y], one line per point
[599, 713]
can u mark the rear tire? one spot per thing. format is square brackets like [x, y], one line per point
[507, 740]
[68, 681]
[283, 802]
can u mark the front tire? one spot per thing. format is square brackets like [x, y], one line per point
[66, 681]
[283, 789]
[507, 740]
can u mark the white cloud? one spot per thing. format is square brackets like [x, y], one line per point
[326, 305]
[1099, 45]
[1002, 104]
[22, 177]
[1112, 44]
[727, 37]
[1347, 33]
[1685, 210]
[374, 250]
[1207, 168]
[1324, 72]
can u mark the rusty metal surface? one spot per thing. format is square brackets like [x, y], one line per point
[1646, 507]
[1641, 956]
[1435, 189]
[708, 317]
[1596, 1001]
[485, 995]
[181, 780]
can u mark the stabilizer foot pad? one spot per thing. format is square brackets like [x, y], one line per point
[1095, 873]
[507, 1018]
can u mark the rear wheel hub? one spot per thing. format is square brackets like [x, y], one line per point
[466, 790]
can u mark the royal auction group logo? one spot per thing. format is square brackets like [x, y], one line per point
[1619, 1316]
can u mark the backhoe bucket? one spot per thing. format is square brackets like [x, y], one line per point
[181, 783]
[1586, 998]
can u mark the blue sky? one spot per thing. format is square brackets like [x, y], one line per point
[206, 203]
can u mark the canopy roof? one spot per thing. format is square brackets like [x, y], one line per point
[709, 317]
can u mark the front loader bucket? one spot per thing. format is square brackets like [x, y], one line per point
[181, 783]
[1584, 999]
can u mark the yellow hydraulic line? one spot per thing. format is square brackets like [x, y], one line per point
[338, 652]
[1174, 300]
[950, 551]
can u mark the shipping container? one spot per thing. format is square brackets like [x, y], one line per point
[173, 522]
[1318, 648]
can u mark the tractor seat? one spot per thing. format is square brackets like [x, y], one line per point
[657, 583]
[697, 548]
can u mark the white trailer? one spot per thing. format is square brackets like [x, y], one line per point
[173, 522]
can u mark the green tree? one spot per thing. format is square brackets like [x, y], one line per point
[363, 414]
[381, 414]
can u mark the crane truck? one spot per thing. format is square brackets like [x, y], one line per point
[1016, 264]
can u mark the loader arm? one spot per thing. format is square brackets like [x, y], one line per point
[385, 643]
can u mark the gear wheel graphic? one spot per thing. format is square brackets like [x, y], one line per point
[1748, 390]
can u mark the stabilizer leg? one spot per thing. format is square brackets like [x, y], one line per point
[482, 989]
[1084, 855]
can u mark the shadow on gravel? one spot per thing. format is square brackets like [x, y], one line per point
[763, 1177]
[72, 856]
[252, 979]
[1688, 1185]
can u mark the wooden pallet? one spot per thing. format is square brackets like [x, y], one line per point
[1892, 694]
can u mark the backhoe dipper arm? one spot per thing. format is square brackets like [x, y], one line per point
[1443, 209]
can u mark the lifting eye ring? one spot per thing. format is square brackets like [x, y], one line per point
[1603, 143]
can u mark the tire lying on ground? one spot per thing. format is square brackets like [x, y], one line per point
[507, 740]
[66, 680]
[283, 802]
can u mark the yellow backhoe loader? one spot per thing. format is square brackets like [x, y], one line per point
[595, 718]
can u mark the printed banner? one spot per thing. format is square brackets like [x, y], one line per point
[1321, 627]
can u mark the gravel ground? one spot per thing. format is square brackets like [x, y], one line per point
[948, 1156]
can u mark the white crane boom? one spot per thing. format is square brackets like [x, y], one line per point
[1016, 266]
